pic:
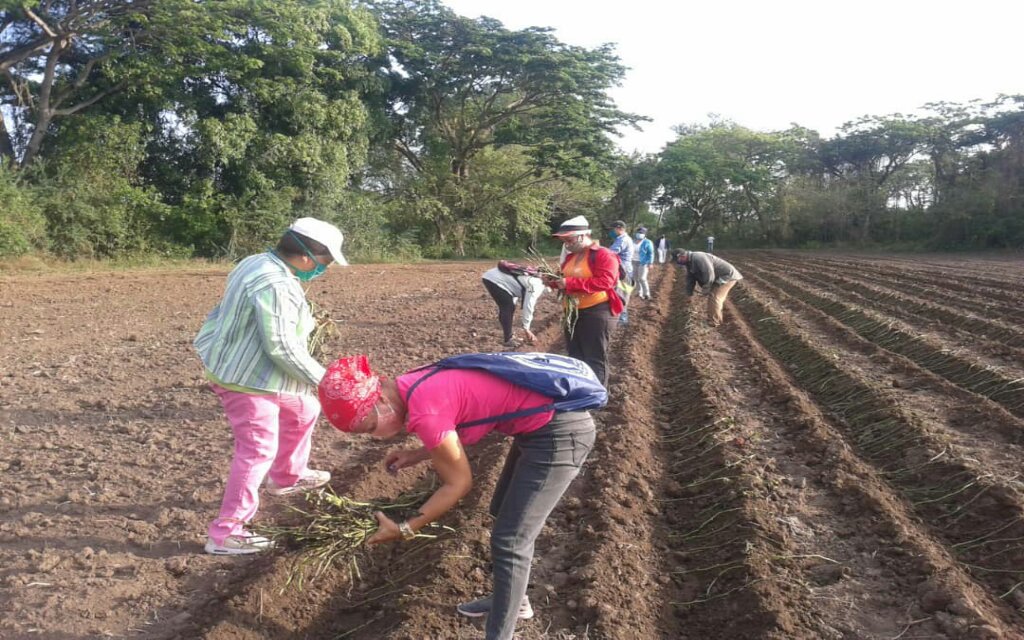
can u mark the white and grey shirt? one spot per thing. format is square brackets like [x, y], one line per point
[525, 290]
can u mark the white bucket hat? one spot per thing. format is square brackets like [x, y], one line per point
[323, 232]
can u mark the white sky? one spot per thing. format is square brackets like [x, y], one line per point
[764, 65]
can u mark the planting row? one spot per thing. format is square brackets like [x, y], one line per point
[997, 341]
[961, 368]
[964, 290]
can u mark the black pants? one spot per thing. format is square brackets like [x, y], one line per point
[539, 468]
[590, 339]
[506, 307]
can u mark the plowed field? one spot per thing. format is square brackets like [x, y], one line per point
[842, 459]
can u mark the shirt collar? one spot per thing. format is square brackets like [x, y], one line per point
[280, 262]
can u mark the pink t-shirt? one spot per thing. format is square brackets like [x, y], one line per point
[452, 396]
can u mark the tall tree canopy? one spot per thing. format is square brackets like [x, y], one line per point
[457, 87]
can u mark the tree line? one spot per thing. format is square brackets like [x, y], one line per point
[201, 128]
[951, 177]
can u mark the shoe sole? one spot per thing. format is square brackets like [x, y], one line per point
[277, 493]
[218, 551]
[468, 614]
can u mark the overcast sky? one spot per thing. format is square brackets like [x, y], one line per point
[767, 64]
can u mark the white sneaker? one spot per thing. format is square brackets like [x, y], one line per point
[239, 545]
[482, 607]
[311, 479]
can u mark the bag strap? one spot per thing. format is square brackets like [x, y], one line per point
[507, 416]
[408, 394]
[479, 421]
[522, 285]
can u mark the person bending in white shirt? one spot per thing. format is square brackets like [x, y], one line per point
[509, 289]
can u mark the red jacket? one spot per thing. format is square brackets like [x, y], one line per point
[604, 267]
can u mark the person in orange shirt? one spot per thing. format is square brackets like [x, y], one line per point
[590, 274]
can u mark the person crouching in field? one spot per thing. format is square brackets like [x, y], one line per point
[456, 402]
[508, 283]
[715, 276]
[254, 347]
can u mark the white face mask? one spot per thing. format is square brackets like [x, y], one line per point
[579, 243]
[640, 236]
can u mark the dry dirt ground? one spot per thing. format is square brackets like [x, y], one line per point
[842, 459]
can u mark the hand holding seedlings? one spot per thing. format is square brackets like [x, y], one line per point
[387, 530]
[553, 281]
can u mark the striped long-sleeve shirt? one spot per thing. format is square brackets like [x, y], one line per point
[256, 337]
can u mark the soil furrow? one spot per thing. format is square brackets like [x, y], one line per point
[962, 292]
[892, 336]
[858, 563]
[965, 501]
[1002, 342]
[978, 419]
[620, 551]
[721, 541]
[1007, 274]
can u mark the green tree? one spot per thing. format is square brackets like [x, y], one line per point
[721, 178]
[864, 156]
[458, 88]
[60, 57]
[250, 111]
[636, 185]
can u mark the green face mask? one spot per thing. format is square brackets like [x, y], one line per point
[316, 271]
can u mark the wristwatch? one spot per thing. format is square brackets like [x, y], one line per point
[407, 532]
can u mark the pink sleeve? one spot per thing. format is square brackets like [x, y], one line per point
[430, 429]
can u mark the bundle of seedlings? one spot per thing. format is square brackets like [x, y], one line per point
[324, 329]
[570, 305]
[331, 530]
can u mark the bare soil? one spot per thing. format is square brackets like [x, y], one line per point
[793, 474]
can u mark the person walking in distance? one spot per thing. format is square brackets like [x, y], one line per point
[662, 249]
[590, 274]
[643, 261]
[715, 276]
[509, 283]
[254, 348]
[622, 246]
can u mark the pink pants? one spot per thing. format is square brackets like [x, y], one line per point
[273, 433]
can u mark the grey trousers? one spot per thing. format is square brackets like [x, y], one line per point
[539, 468]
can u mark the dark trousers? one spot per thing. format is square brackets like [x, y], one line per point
[506, 307]
[591, 337]
[539, 468]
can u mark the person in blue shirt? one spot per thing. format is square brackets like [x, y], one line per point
[622, 246]
[642, 262]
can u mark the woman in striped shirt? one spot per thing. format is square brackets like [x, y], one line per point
[253, 345]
